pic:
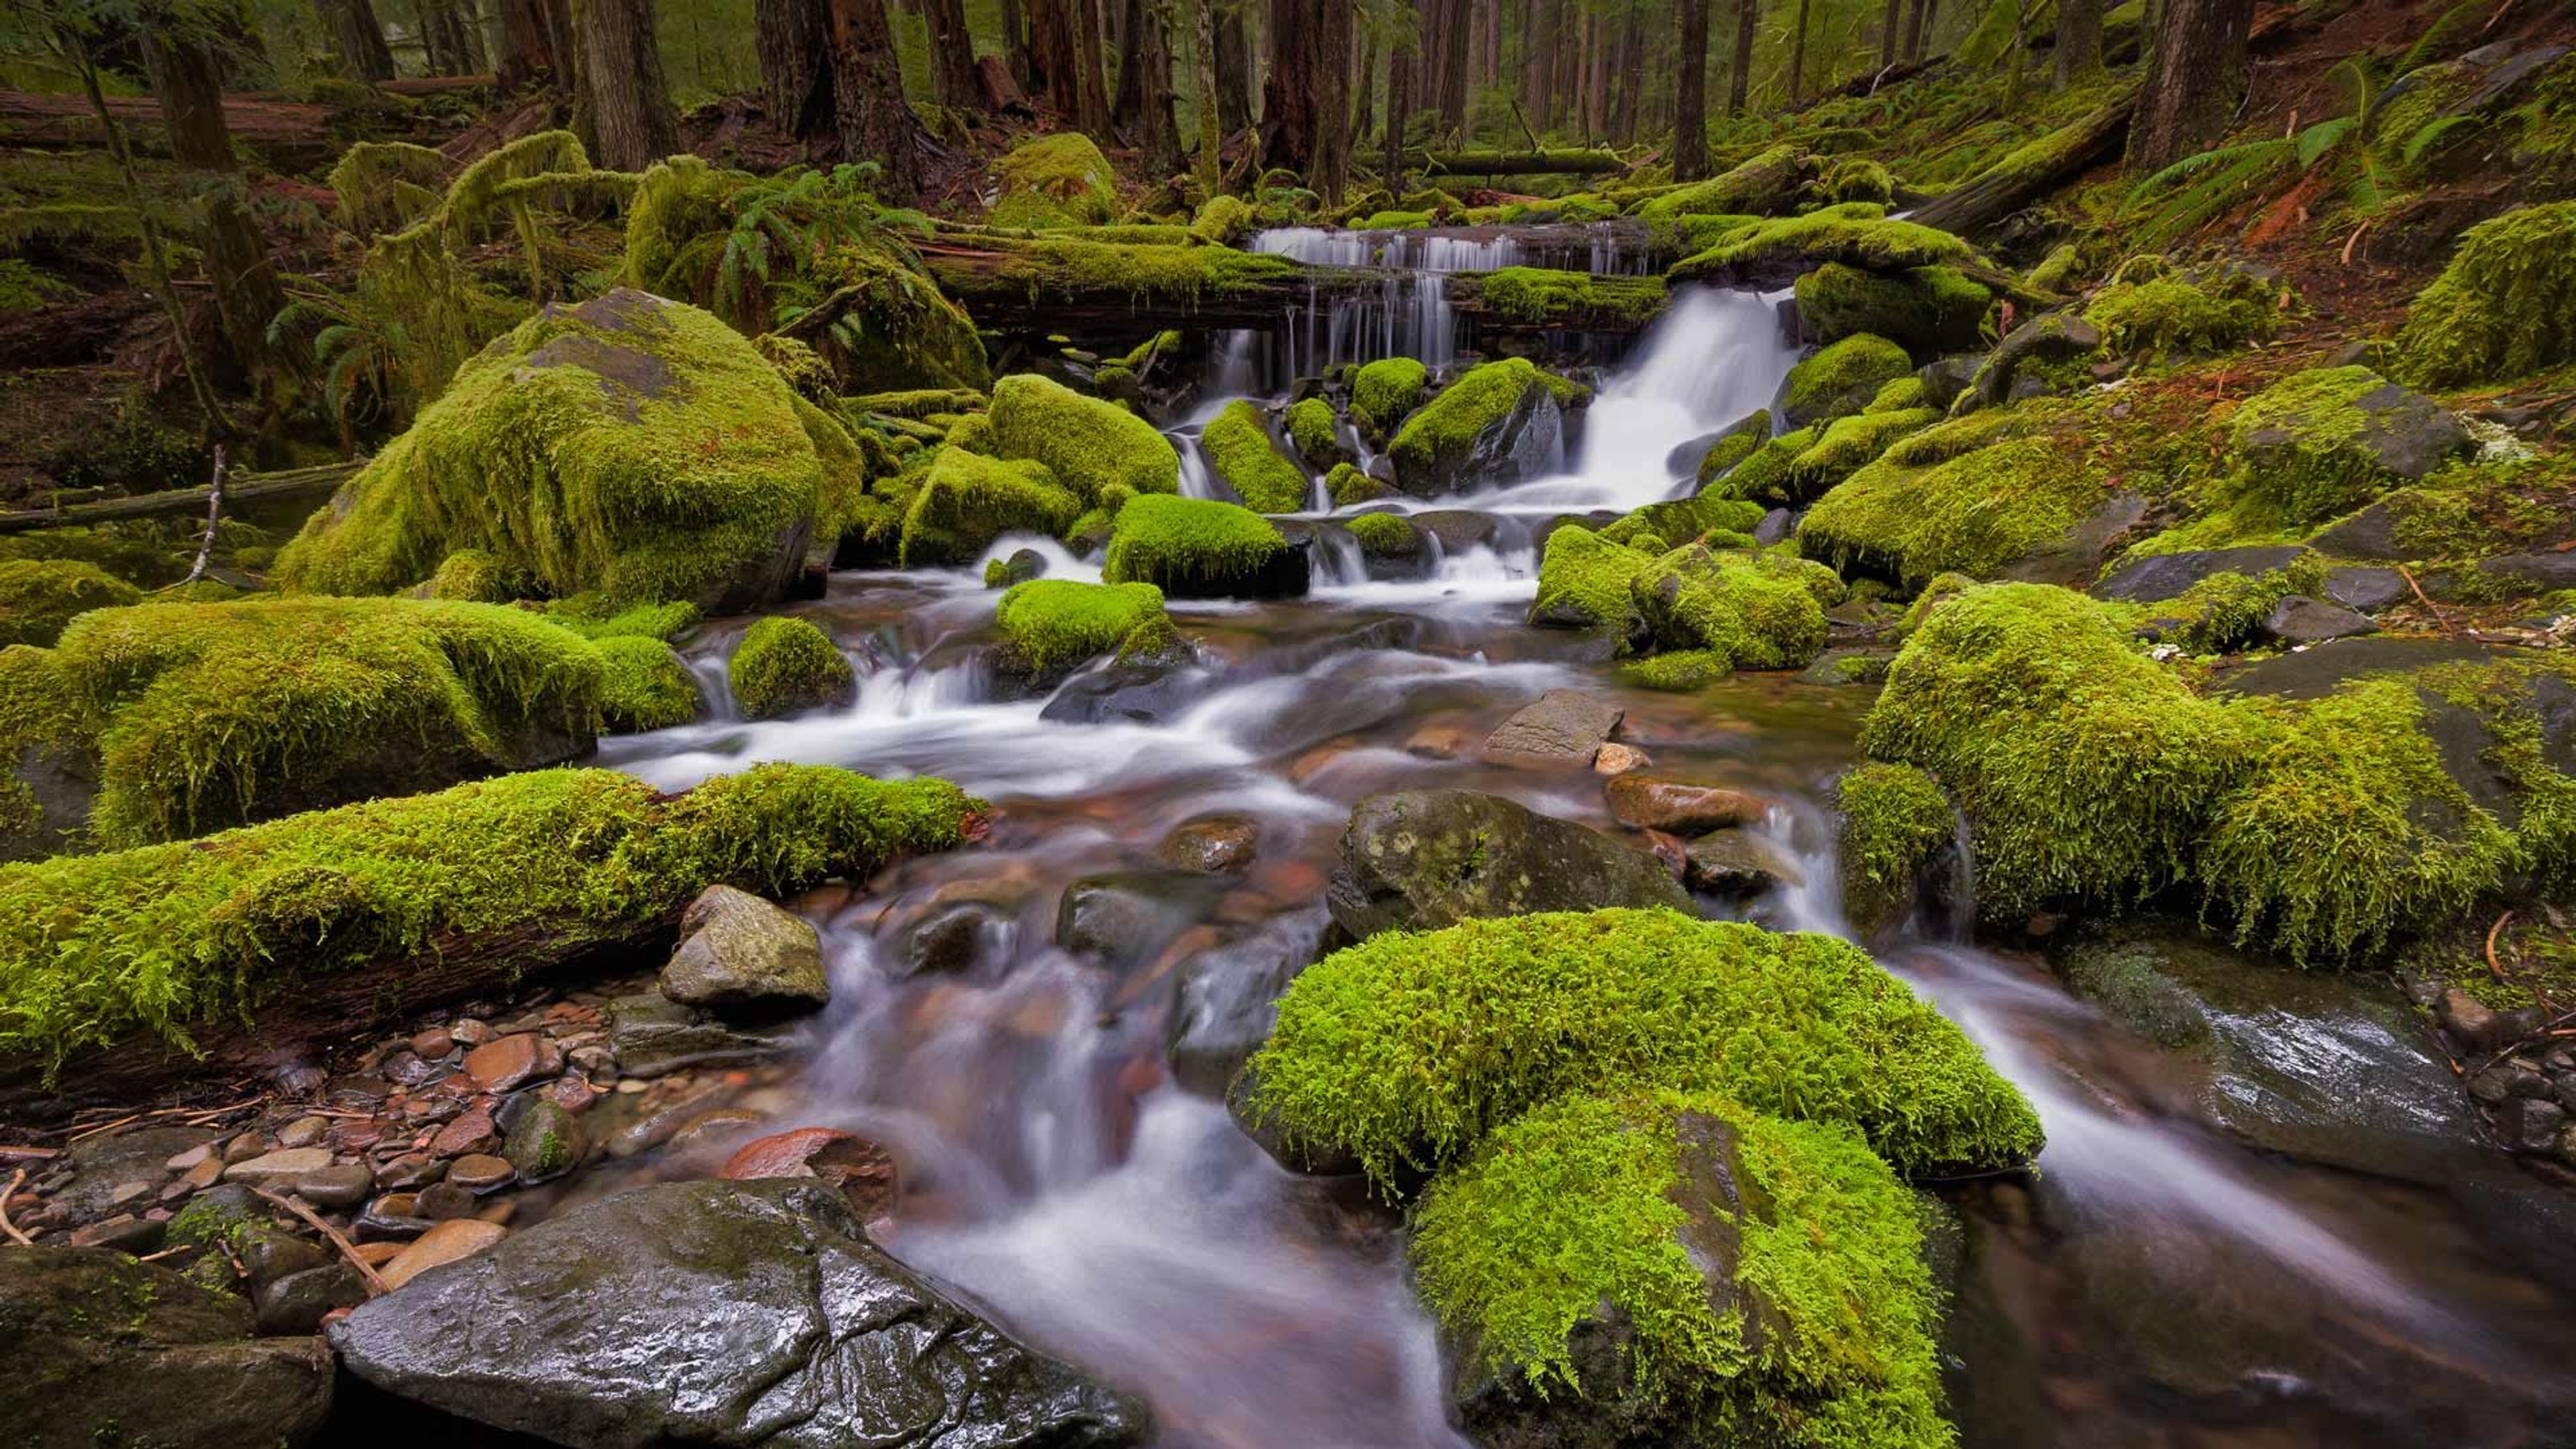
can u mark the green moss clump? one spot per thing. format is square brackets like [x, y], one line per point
[1973, 513]
[1189, 545]
[2321, 443]
[1760, 610]
[2504, 308]
[1087, 443]
[588, 616]
[1891, 821]
[1056, 181]
[2169, 317]
[1385, 535]
[1857, 178]
[645, 686]
[1393, 221]
[783, 665]
[1348, 487]
[1790, 246]
[1053, 623]
[2084, 767]
[474, 576]
[1899, 395]
[1384, 392]
[2222, 611]
[967, 500]
[1841, 376]
[1405, 1050]
[1441, 438]
[161, 938]
[1538, 296]
[1763, 183]
[1738, 443]
[1239, 451]
[1584, 581]
[1222, 220]
[1680, 672]
[1850, 444]
[1927, 310]
[1312, 427]
[1819, 1331]
[39, 596]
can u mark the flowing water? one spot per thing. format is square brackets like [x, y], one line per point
[2155, 1283]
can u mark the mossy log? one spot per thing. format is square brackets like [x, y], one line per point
[2031, 172]
[240, 489]
[1560, 162]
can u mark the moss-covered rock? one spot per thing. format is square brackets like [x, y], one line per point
[1923, 509]
[2505, 307]
[1348, 487]
[1240, 452]
[1088, 444]
[1406, 1050]
[968, 500]
[1223, 220]
[1049, 625]
[1842, 377]
[2170, 317]
[784, 665]
[1711, 518]
[1891, 821]
[1845, 446]
[1681, 672]
[1926, 311]
[1583, 583]
[1316, 430]
[1384, 392]
[1194, 548]
[1543, 297]
[209, 930]
[1056, 181]
[1732, 447]
[1386, 535]
[2321, 443]
[628, 446]
[1704, 1275]
[1502, 422]
[1776, 253]
[1761, 610]
[1764, 183]
[39, 596]
[645, 686]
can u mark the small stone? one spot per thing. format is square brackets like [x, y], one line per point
[1652, 803]
[1619, 759]
[739, 951]
[505, 1063]
[1437, 742]
[861, 1169]
[126, 1192]
[443, 1200]
[469, 1033]
[629, 1086]
[571, 1093]
[2301, 620]
[1221, 844]
[2476, 1024]
[480, 1172]
[2491, 1086]
[244, 1148]
[124, 1233]
[405, 1068]
[187, 1161]
[376, 1255]
[298, 1302]
[472, 1132]
[303, 1131]
[345, 1185]
[545, 1142]
[443, 1244]
[276, 1169]
[596, 1062]
[2530, 1124]
[432, 1044]
[411, 1170]
[1564, 726]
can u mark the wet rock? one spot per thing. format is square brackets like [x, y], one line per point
[2301, 620]
[340, 1186]
[741, 1313]
[510, 1062]
[1564, 726]
[544, 1142]
[1423, 859]
[432, 1044]
[447, 1242]
[1221, 844]
[480, 1172]
[2532, 572]
[948, 941]
[2390, 431]
[2163, 576]
[1651, 802]
[303, 1131]
[2367, 589]
[653, 1035]
[1736, 863]
[1023, 565]
[298, 1302]
[411, 1170]
[740, 953]
[2052, 337]
[1125, 916]
[106, 1350]
[441, 1201]
[2530, 1125]
[278, 1169]
[1848, 666]
[473, 1131]
[863, 1172]
[1146, 689]
[100, 1165]
[1460, 529]
[1228, 1000]
[1618, 759]
[124, 1233]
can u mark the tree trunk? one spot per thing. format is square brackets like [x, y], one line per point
[1798, 58]
[1305, 106]
[795, 48]
[1127, 101]
[874, 120]
[1149, 60]
[1887, 29]
[1740, 82]
[437, 37]
[1453, 68]
[952, 55]
[2195, 79]
[469, 32]
[1533, 67]
[1918, 34]
[1400, 70]
[1632, 81]
[528, 50]
[359, 39]
[1690, 93]
[1090, 73]
[1596, 122]
[2079, 42]
[1332, 98]
[1015, 42]
[620, 88]
[189, 86]
[1364, 75]
[1051, 54]
[1233, 74]
[1211, 131]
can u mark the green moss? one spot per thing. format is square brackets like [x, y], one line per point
[1738, 443]
[1760, 610]
[1973, 513]
[1087, 443]
[1857, 178]
[1384, 392]
[1852, 443]
[896, 330]
[39, 596]
[1537, 296]
[2169, 317]
[158, 939]
[1240, 452]
[1841, 376]
[1385, 535]
[1898, 395]
[1054, 623]
[1404, 1051]
[1393, 221]
[1766, 182]
[1188, 544]
[2505, 307]
[2223, 611]
[1055, 181]
[1680, 672]
[211, 1221]
[1890, 821]
[646, 686]
[1927, 310]
[1790, 246]
[474, 576]
[1313, 427]
[1348, 487]
[2128, 980]
[630, 446]
[2084, 767]
[784, 665]
[1441, 438]
[968, 500]
[588, 616]
[1222, 220]
[1684, 520]
[1584, 579]
[1764, 475]
[1573, 1214]
[2308, 447]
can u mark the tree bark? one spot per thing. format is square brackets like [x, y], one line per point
[1233, 73]
[874, 120]
[1632, 81]
[952, 55]
[1015, 42]
[1364, 76]
[1887, 30]
[1332, 23]
[1305, 108]
[1918, 33]
[469, 37]
[1690, 93]
[620, 87]
[1453, 67]
[528, 46]
[1127, 101]
[438, 55]
[1534, 65]
[1149, 60]
[1051, 54]
[1596, 88]
[795, 48]
[2195, 79]
[1997, 192]
[359, 39]
[1798, 58]
[189, 86]
[1400, 70]
[1740, 82]
[1211, 130]
[2079, 41]
[1090, 75]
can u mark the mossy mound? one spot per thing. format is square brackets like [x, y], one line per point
[1776, 253]
[1680, 672]
[1583, 582]
[2321, 443]
[1574, 301]
[1703, 518]
[967, 500]
[1348, 487]
[157, 939]
[1316, 430]
[629, 446]
[645, 686]
[1845, 446]
[1761, 610]
[2170, 317]
[1676, 1269]
[1385, 535]
[1891, 821]
[1767, 182]
[1240, 452]
[1501, 422]
[39, 596]
[1384, 392]
[1087, 443]
[1404, 1051]
[2504, 308]
[1051, 624]
[1733, 446]
[470, 575]
[1842, 377]
[1927, 311]
[1223, 220]
[1200, 548]
[1922, 510]
[1056, 181]
[784, 665]
[895, 329]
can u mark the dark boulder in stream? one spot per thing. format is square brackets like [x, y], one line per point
[1423, 859]
[734, 1313]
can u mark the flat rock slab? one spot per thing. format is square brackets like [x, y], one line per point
[2159, 577]
[1424, 859]
[1565, 726]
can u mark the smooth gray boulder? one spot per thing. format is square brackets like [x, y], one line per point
[738, 951]
[1424, 859]
[1563, 726]
[2302, 620]
[2158, 577]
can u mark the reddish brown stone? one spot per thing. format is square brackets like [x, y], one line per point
[1650, 803]
[513, 1061]
[859, 1168]
[571, 1093]
[473, 1132]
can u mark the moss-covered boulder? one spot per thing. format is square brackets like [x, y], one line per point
[1088, 444]
[784, 665]
[1384, 392]
[1406, 1050]
[1417, 859]
[1055, 181]
[1767, 182]
[967, 500]
[2163, 317]
[1241, 454]
[1316, 430]
[2321, 443]
[1050, 625]
[1712, 1276]
[39, 596]
[1776, 253]
[2505, 307]
[1583, 582]
[1841, 377]
[1891, 822]
[2043, 356]
[1712, 458]
[1986, 494]
[1502, 422]
[1761, 610]
[629, 446]
[1197, 548]
[645, 685]
[1926, 311]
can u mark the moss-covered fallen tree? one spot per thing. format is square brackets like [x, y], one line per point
[351, 916]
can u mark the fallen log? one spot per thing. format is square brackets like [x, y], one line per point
[1527, 300]
[1521, 163]
[180, 500]
[2030, 172]
[290, 134]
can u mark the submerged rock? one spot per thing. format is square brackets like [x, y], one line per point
[1423, 859]
[733, 1313]
[1228, 1000]
[1125, 916]
[1564, 726]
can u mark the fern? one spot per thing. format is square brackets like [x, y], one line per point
[2437, 37]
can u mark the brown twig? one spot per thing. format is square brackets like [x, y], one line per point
[376, 1286]
[27, 1154]
[6, 1226]
[2438, 616]
[2492, 932]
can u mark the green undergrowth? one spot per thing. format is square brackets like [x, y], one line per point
[784, 665]
[1791, 246]
[1538, 296]
[165, 938]
[1927, 311]
[1055, 181]
[1239, 451]
[2169, 317]
[2505, 307]
[1406, 1050]
[1053, 623]
[1842, 377]
[1966, 496]
[1189, 544]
